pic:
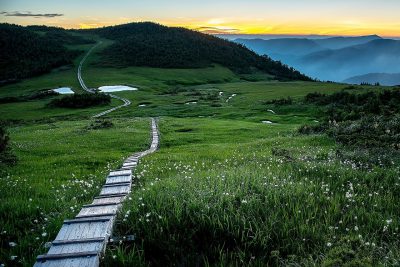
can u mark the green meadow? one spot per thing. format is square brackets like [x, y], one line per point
[223, 189]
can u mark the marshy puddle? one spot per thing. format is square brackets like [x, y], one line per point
[191, 103]
[142, 105]
[229, 98]
[116, 88]
[64, 91]
[267, 122]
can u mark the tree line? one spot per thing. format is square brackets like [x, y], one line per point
[29, 51]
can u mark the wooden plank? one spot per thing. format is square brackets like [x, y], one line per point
[70, 262]
[108, 200]
[115, 190]
[111, 195]
[73, 241]
[131, 161]
[120, 173]
[77, 247]
[82, 230]
[101, 204]
[99, 219]
[67, 255]
[92, 214]
[118, 179]
[97, 211]
[118, 184]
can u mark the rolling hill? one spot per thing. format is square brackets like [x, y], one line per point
[153, 45]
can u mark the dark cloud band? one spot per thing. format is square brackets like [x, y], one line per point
[29, 14]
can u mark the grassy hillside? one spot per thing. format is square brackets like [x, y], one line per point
[25, 52]
[153, 45]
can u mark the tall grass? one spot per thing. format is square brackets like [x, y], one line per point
[228, 203]
[61, 166]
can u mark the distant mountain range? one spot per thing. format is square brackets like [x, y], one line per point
[348, 59]
[382, 78]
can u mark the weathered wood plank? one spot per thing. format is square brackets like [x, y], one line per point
[98, 211]
[118, 179]
[77, 247]
[108, 200]
[117, 189]
[71, 262]
[111, 195]
[81, 230]
[101, 204]
[120, 173]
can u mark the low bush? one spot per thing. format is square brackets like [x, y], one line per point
[6, 156]
[100, 124]
[81, 101]
[281, 101]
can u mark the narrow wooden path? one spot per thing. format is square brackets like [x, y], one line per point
[127, 102]
[82, 240]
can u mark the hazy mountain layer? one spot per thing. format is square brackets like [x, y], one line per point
[334, 59]
[389, 79]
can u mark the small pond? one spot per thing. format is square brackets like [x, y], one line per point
[64, 90]
[116, 88]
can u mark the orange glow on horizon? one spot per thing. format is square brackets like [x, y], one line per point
[225, 26]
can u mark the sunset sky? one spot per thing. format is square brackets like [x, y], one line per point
[325, 17]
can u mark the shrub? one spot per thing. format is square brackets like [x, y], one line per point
[6, 156]
[100, 124]
[281, 101]
[81, 100]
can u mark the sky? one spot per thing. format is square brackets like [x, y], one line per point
[292, 17]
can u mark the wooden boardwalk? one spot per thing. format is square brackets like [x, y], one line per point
[82, 240]
[127, 102]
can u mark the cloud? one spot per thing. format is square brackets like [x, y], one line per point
[217, 30]
[30, 14]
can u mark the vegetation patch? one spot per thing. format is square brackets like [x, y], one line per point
[368, 121]
[100, 124]
[6, 155]
[81, 101]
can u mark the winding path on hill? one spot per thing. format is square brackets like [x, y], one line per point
[82, 240]
[92, 91]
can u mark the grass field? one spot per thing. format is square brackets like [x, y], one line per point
[224, 188]
[61, 166]
[228, 192]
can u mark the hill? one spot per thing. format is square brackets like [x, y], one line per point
[154, 45]
[389, 79]
[25, 53]
[342, 42]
